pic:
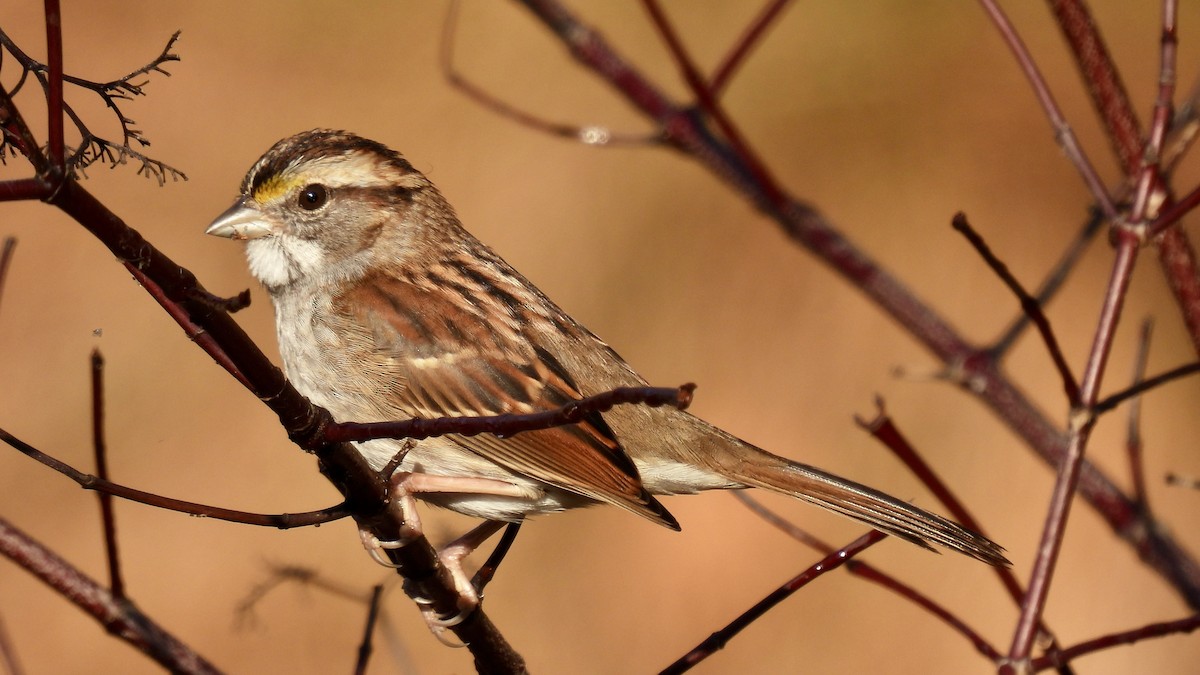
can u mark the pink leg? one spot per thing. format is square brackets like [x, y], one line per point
[405, 486]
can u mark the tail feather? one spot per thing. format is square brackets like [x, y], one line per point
[867, 505]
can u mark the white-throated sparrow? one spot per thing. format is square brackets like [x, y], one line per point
[387, 309]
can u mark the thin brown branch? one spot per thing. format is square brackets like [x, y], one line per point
[1103, 81]
[570, 413]
[1154, 630]
[282, 574]
[1053, 281]
[1176, 255]
[183, 317]
[807, 227]
[1133, 434]
[1029, 305]
[6, 255]
[1063, 133]
[1046, 558]
[884, 430]
[100, 452]
[1184, 128]
[487, 571]
[282, 521]
[365, 647]
[54, 87]
[8, 652]
[1142, 387]
[119, 617]
[591, 134]
[92, 148]
[1149, 184]
[773, 194]
[719, 639]
[1177, 480]
[870, 573]
[749, 39]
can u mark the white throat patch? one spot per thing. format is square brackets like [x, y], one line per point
[279, 260]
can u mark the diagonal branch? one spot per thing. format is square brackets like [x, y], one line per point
[121, 618]
[718, 639]
[806, 226]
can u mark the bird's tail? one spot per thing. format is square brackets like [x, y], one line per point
[764, 470]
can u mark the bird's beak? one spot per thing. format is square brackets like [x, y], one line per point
[241, 221]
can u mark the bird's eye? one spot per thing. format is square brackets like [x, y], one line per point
[313, 197]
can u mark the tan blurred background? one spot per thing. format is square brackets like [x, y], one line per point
[890, 117]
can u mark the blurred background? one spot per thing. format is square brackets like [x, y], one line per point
[888, 115]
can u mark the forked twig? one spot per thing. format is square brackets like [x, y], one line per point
[1029, 305]
[592, 134]
[748, 41]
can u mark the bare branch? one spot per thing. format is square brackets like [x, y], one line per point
[1029, 305]
[119, 617]
[874, 574]
[509, 424]
[115, 583]
[282, 521]
[719, 639]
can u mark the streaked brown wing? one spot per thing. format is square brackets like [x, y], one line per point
[460, 351]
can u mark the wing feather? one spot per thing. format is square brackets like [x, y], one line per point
[454, 361]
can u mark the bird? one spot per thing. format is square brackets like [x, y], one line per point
[387, 308]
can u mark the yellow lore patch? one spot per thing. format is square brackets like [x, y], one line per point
[275, 187]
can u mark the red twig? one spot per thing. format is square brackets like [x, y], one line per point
[719, 639]
[1063, 133]
[1029, 305]
[1175, 252]
[115, 584]
[775, 198]
[1129, 637]
[748, 41]
[1101, 78]
[487, 571]
[810, 229]
[883, 429]
[575, 411]
[1081, 423]
[1175, 212]
[588, 135]
[54, 92]
[183, 317]
[874, 574]
[120, 617]
[282, 521]
[1149, 180]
